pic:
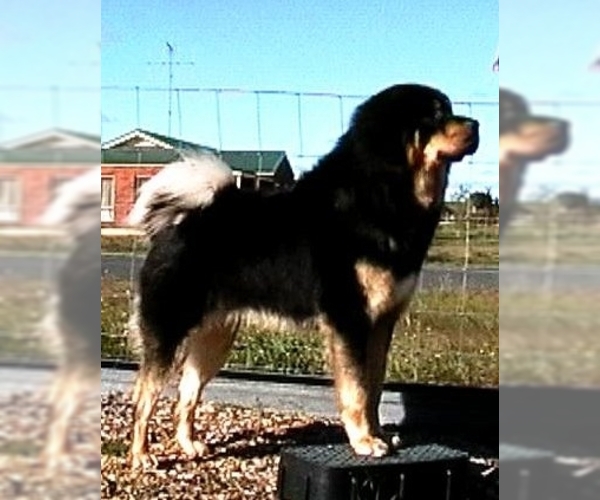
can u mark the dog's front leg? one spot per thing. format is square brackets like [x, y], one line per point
[357, 393]
[378, 345]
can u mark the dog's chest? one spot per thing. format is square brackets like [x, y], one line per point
[384, 292]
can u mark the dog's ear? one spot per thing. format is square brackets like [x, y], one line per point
[380, 130]
[513, 108]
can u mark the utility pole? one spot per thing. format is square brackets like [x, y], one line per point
[170, 63]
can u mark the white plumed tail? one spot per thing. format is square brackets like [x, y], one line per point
[178, 188]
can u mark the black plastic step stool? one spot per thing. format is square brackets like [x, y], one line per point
[334, 472]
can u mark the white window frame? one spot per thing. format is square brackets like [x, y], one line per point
[11, 211]
[107, 211]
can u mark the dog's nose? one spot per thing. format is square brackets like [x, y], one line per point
[563, 125]
[473, 124]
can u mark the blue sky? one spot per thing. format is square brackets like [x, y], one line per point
[351, 47]
[338, 47]
[45, 43]
[546, 49]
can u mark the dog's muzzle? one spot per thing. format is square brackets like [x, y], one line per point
[472, 127]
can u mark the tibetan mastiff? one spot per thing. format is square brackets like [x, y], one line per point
[343, 247]
[524, 138]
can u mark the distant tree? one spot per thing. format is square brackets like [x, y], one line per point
[462, 193]
[482, 201]
[573, 200]
[495, 207]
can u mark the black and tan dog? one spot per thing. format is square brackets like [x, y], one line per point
[524, 138]
[344, 247]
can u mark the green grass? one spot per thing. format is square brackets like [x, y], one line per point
[550, 339]
[455, 244]
[35, 244]
[459, 243]
[446, 338]
[561, 240]
[22, 305]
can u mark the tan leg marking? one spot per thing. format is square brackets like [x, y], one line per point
[209, 347]
[147, 389]
[352, 397]
[383, 292]
[66, 398]
[358, 388]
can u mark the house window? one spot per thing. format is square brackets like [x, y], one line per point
[266, 185]
[140, 180]
[9, 200]
[247, 183]
[107, 205]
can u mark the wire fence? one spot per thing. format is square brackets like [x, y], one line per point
[451, 331]
[550, 261]
[548, 271]
[303, 124]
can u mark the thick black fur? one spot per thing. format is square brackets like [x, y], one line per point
[294, 253]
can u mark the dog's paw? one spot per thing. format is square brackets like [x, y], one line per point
[371, 446]
[141, 462]
[194, 449]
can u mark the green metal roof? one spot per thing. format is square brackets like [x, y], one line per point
[45, 156]
[128, 156]
[255, 161]
[176, 143]
[245, 161]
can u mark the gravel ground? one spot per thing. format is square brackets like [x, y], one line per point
[22, 434]
[243, 461]
[244, 442]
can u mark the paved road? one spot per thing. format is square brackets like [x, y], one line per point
[44, 267]
[510, 277]
[292, 397]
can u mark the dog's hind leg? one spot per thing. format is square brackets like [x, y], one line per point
[146, 392]
[67, 395]
[209, 346]
[154, 371]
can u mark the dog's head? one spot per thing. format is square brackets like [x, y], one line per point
[412, 127]
[524, 137]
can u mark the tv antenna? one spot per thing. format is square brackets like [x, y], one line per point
[170, 63]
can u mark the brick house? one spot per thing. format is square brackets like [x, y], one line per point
[32, 167]
[131, 159]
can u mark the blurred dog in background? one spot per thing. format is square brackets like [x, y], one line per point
[524, 138]
[73, 315]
